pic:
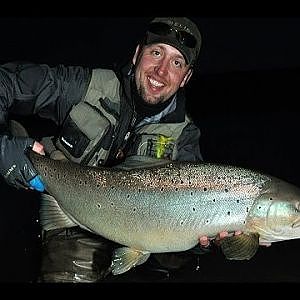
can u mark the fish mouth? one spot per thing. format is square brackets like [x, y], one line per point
[296, 224]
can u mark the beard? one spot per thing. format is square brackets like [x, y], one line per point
[150, 99]
[146, 106]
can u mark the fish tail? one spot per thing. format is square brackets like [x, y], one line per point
[51, 215]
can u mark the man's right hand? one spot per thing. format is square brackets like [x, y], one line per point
[205, 241]
[15, 166]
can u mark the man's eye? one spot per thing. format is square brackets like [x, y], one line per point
[177, 63]
[156, 53]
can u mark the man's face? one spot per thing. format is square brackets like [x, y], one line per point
[160, 71]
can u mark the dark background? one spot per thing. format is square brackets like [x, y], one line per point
[243, 97]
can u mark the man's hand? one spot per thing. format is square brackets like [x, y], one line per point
[38, 148]
[15, 166]
[36, 182]
[205, 241]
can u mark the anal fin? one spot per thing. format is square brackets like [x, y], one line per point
[125, 258]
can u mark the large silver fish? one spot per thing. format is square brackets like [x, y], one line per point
[166, 208]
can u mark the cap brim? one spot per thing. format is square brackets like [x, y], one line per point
[154, 39]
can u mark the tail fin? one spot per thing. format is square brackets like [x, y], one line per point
[52, 216]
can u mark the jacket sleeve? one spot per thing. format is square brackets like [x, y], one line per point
[188, 147]
[50, 92]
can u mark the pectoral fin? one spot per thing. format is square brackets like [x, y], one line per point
[240, 247]
[125, 258]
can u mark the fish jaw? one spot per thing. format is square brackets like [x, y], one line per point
[276, 213]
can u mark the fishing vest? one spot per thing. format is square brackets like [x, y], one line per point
[89, 130]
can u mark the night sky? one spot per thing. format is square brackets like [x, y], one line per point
[243, 97]
[230, 44]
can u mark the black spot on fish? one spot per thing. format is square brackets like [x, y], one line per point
[134, 209]
[237, 201]
[214, 200]
[194, 209]
[98, 205]
[226, 190]
[181, 182]
[228, 213]
[176, 189]
[205, 189]
[191, 193]
[128, 196]
[247, 209]
[259, 207]
[112, 204]
[181, 222]
[271, 199]
[162, 189]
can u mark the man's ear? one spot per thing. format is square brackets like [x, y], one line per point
[136, 54]
[186, 78]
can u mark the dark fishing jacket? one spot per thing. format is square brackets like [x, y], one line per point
[94, 112]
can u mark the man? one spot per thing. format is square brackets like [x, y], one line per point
[103, 117]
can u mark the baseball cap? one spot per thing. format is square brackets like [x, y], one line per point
[179, 32]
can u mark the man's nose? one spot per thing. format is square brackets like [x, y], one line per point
[162, 67]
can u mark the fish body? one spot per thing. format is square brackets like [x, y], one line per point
[166, 208]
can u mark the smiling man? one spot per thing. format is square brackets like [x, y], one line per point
[161, 70]
[104, 118]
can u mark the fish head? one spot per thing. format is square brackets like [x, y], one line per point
[276, 213]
